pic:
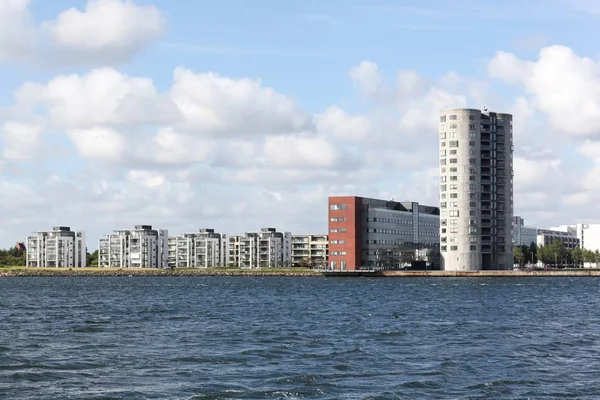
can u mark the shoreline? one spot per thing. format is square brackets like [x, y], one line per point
[198, 272]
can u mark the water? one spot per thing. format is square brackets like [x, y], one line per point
[322, 338]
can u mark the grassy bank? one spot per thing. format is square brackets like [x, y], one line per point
[23, 271]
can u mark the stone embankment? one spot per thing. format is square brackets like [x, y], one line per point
[149, 272]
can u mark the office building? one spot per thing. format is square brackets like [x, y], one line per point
[549, 236]
[522, 235]
[265, 249]
[141, 247]
[476, 190]
[374, 233]
[202, 249]
[310, 250]
[60, 247]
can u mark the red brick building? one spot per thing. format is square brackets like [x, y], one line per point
[362, 230]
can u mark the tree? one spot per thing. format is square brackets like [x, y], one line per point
[589, 256]
[577, 256]
[533, 252]
[91, 259]
[519, 256]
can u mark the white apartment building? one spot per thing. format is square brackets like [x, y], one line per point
[476, 190]
[265, 249]
[522, 235]
[202, 249]
[141, 247]
[588, 234]
[60, 247]
[312, 250]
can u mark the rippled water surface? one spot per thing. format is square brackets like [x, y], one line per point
[322, 338]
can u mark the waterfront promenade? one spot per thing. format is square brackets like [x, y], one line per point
[190, 272]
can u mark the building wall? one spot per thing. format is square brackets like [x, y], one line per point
[60, 247]
[522, 235]
[476, 190]
[345, 232]
[141, 247]
[588, 234]
[265, 249]
[310, 248]
[546, 237]
[203, 249]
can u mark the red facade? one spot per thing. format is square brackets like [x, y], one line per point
[345, 228]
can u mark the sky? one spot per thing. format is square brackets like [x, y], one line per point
[238, 115]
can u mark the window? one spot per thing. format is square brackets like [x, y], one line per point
[338, 230]
[443, 170]
[472, 213]
[453, 178]
[442, 179]
[473, 196]
[472, 204]
[443, 135]
[335, 207]
[443, 205]
[443, 161]
[453, 222]
[453, 204]
[442, 248]
[453, 186]
[443, 195]
[452, 135]
[472, 231]
[453, 117]
[471, 152]
[443, 188]
[473, 161]
[473, 239]
[443, 239]
[454, 195]
[443, 118]
[443, 230]
[453, 151]
[453, 143]
[453, 230]
[453, 161]
[472, 135]
[442, 153]
[443, 214]
[472, 143]
[454, 213]
[472, 186]
[453, 248]
[473, 222]
[472, 170]
[471, 117]
[343, 265]
[443, 144]
[472, 178]
[453, 169]
[340, 219]
[472, 127]
[342, 253]
[474, 248]
[453, 239]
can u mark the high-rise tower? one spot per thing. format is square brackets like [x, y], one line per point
[476, 190]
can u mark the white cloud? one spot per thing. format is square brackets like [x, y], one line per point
[150, 179]
[563, 85]
[99, 143]
[16, 30]
[216, 105]
[336, 123]
[21, 141]
[301, 151]
[367, 77]
[107, 30]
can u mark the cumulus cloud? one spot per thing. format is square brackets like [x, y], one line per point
[563, 85]
[21, 142]
[104, 32]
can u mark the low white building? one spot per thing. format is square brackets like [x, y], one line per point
[202, 249]
[60, 247]
[588, 234]
[265, 249]
[312, 250]
[141, 247]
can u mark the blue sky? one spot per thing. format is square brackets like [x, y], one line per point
[312, 98]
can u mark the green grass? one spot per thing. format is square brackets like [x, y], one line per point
[98, 271]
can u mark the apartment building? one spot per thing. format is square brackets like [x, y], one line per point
[140, 247]
[548, 236]
[267, 248]
[310, 250]
[202, 249]
[59, 247]
[522, 235]
[374, 233]
[476, 190]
